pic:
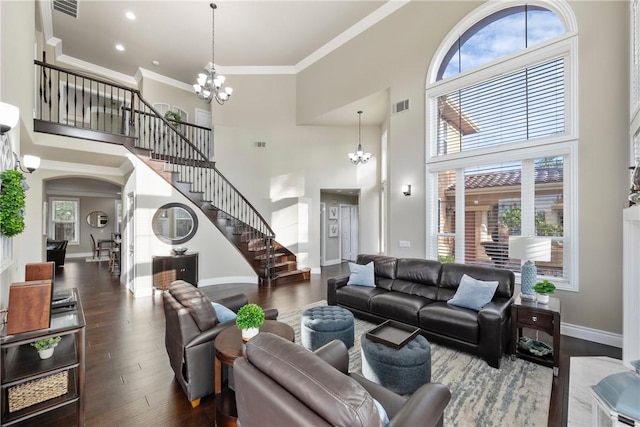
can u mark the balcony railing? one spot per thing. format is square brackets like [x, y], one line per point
[72, 99]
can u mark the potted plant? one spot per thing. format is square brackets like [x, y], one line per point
[249, 319]
[173, 117]
[544, 289]
[45, 346]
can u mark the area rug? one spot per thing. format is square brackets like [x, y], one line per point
[517, 394]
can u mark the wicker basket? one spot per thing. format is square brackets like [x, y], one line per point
[33, 392]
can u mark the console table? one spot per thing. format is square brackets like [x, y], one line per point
[62, 375]
[541, 317]
[169, 268]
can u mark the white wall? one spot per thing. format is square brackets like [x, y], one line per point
[219, 260]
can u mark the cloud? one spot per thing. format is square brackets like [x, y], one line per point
[502, 37]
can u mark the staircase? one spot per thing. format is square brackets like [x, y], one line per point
[77, 105]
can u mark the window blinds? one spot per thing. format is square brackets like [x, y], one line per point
[522, 105]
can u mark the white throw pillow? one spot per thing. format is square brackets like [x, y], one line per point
[362, 275]
[473, 293]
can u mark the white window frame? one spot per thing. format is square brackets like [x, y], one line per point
[565, 144]
[77, 221]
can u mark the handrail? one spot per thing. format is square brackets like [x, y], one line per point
[151, 129]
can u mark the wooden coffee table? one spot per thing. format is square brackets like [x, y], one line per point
[229, 346]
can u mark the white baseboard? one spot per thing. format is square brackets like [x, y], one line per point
[316, 270]
[331, 262]
[253, 280]
[79, 255]
[589, 334]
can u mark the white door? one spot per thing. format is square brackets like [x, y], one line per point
[349, 232]
[323, 234]
[203, 118]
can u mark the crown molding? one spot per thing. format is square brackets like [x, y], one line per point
[350, 33]
[96, 69]
[80, 168]
[148, 74]
[256, 69]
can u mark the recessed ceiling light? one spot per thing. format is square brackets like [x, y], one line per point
[130, 15]
[120, 47]
[154, 62]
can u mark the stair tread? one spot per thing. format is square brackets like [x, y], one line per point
[291, 273]
[280, 264]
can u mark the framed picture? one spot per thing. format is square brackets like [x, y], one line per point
[333, 212]
[333, 229]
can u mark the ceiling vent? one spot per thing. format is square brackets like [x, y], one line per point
[260, 144]
[400, 106]
[68, 7]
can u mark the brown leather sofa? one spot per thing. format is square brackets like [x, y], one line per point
[191, 329]
[416, 291]
[282, 384]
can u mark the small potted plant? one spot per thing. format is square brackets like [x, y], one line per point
[45, 346]
[249, 319]
[544, 289]
[173, 117]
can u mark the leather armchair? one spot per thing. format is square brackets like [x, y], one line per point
[57, 251]
[191, 329]
[280, 383]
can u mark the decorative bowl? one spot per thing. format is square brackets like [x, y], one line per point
[179, 251]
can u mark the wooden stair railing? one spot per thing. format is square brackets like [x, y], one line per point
[78, 105]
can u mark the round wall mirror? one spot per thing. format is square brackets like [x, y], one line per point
[97, 219]
[175, 223]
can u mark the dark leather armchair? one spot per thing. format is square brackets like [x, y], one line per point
[57, 251]
[191, 328]
[282, 384]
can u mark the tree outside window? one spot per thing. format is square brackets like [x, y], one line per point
[64, 220]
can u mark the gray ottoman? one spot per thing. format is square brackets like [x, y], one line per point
[320, 325]
[402, 371]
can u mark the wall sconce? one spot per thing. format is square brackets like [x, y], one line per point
[31, 163]
[406, 189]
[9, 116]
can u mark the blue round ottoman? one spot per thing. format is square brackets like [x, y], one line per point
[321, 325]
[401, 370]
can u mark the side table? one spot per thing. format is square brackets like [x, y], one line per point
[541, 317]
[229, 346]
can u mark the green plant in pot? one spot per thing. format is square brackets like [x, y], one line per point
[45, 346]
[544, 289]
[173, 117]
[249, 319]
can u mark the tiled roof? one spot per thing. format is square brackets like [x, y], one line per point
[509, 178]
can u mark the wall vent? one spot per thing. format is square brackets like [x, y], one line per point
[400, 106]
[260, 144]
[68, 7]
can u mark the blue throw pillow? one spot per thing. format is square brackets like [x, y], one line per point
[473, 293]
[223, 313]
[384, 418]
[362, 275]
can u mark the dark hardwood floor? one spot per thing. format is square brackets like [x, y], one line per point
[128, 378]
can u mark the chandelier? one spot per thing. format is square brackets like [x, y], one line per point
[211, 85]
[359, 156]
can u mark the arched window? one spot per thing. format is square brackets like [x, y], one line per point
[501, 137]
